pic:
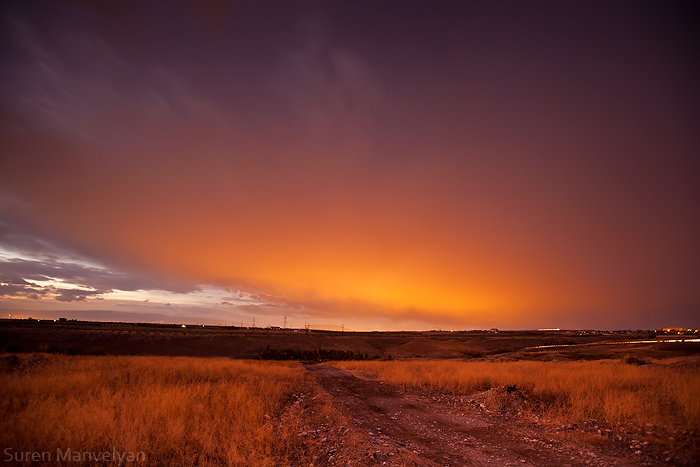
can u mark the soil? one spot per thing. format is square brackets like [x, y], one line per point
[499, 427]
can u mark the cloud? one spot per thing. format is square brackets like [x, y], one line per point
[29, 256]
[68, 80]
[331, 90]
[88, 276]
[12, 285]
[39, 265]
[76, 295]
[18, 287]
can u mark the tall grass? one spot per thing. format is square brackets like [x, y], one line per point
[617, 393]
[178, 411]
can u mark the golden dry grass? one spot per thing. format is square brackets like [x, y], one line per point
[615, 392]
[178, 411]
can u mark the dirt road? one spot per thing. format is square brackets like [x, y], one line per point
[402, 428]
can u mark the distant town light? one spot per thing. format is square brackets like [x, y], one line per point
[184, 326]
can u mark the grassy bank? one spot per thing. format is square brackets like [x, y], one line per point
[617, 392]
[177, 411]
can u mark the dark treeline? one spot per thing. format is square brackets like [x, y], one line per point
[316, 355]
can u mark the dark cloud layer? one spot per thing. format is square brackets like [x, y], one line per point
[36, 255]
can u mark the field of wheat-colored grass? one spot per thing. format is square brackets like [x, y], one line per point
[176, 410]
[617, 392]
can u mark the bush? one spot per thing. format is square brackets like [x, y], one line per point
[632, 360]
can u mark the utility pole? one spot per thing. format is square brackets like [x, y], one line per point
[253, 322]
[284, 326]
[342, 328]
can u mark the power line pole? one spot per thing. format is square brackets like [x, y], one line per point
[253, 322]
[284, 326]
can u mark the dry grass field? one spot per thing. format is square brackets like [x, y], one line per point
[175, 410]
[187, 411]
[613, 391]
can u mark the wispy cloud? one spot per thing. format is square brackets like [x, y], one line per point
[29, 256]
[37, 265]
[72, 83]
[331, 90]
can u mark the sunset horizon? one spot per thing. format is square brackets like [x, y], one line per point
[351, 166]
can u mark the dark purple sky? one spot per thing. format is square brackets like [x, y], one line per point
[382, 165]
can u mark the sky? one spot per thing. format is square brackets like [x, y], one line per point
[393, 165]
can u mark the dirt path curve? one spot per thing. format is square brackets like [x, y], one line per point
[405, 429]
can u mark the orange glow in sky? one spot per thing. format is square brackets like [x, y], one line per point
[499, 165]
